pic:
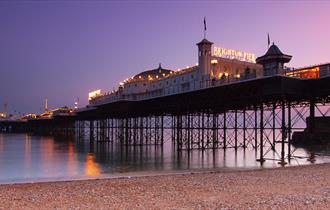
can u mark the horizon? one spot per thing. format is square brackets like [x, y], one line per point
[96, 45]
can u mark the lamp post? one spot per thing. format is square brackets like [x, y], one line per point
[212, 73]
[227, 77]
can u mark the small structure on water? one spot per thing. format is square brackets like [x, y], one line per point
[316, 132]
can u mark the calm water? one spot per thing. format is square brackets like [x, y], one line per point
[25, 158]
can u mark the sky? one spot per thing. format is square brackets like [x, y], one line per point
[64, 49]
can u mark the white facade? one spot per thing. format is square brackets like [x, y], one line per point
[210, 71]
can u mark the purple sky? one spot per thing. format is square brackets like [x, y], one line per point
[63, 50]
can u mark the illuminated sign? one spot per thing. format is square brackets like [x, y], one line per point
[94, 94]
[234, 54]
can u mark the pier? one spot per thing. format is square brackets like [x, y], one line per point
[218, 104]
[260, 114]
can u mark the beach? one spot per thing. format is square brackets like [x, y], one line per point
[299, 187]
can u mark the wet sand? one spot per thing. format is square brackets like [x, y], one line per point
[300, 187]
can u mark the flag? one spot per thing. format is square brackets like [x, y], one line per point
[268, 40]
[204, 23]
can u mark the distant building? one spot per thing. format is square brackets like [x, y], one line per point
[61, 111]
[3, 115]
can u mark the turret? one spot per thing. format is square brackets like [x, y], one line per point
[204, 59]
[273, 61]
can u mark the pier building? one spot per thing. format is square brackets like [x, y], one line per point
[215, 66]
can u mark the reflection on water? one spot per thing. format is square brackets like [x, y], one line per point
[72, 162]
[92, 168]
[27, 151]
[25, 158]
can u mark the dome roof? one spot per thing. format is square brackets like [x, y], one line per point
[160, 72]
[274, 50]
[273, 54]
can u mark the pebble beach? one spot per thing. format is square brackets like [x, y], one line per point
[299, 187]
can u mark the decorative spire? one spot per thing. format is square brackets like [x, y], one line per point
[160, 66]
[5, 107]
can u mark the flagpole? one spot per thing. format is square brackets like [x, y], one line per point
[268, 41]
[204, 27]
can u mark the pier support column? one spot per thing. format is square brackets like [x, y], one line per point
[162, 130]
[215, 131]
[311, 116]
[111, 130]
[121, 130]
[108, 129]
[97, 130]
[289, 130]
[224, 130]
[261, 159]
[141, 130]
[255, 127]
[208, 129]
[91, 130]
[283, 134]
[134, 128]
[189, 145]
[244, 128]
[173, 130]
[146, 130]
[202, 131]
[235, 129]
[274, 125]
[179, 132]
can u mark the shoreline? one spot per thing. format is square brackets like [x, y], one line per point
[302, 187]
[137, 174]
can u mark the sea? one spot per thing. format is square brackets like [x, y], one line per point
[26, 158]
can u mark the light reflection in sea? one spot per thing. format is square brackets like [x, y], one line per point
[92, 168]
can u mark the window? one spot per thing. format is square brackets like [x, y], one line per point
[247, 70]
